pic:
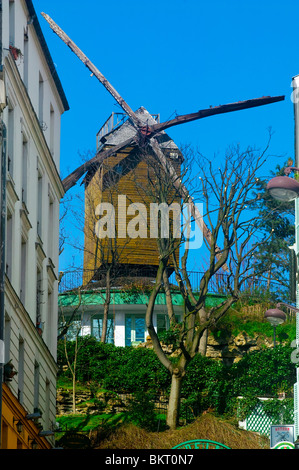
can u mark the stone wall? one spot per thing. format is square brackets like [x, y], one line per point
[227, 348]
[231, 349]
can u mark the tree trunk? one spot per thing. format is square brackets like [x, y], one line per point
[106, 307]
[202, 349]
[174, 401]
[105, 322]
[74, 373]
[168, 297]
[74, 393]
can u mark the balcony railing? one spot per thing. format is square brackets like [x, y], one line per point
[114, 121]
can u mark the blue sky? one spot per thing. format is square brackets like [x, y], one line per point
[176, 57]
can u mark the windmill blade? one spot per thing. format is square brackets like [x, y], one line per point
[226, 108]
[74, 177]
[67, 40]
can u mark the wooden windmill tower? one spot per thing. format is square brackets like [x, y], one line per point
[131, 144]
[122, 180]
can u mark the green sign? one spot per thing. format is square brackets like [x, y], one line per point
[74, 440]
[201, 444]
[284, 445]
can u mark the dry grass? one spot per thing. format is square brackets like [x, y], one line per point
[205, 427]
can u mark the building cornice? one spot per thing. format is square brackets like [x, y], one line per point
[46, 53]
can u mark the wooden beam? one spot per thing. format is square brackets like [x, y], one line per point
[226, 108]
[74, 48]
[74, 177]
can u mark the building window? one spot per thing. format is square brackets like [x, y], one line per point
[51, 228]
[74, 329]
[23, 271]
[24, 170]
[52, 133]
[25, 59]
[49, 323]
[10, 141]
[47, 410]
[39, 293]
[97, 327]
[39, 204]
[41, 100]
[11, 22]
[21, 371]
[163, 322]
[7, 335]
[135, 329]
[9, 235]
[36, 385]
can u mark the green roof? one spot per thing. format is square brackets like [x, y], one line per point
[68, 299]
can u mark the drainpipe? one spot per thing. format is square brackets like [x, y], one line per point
[2, 258]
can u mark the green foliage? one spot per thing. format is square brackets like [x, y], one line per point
[141, 411]
[131, 293]
[277, 218]
[114, 368]
[208, 384]
[245, 406]
[104, 424]
[281, 411]
[172, 335]
[133, 370]
[235, 322]
[262, 373]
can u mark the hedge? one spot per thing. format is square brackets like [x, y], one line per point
[207, 383]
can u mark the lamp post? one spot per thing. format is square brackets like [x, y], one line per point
[275, 317]
[284, 188]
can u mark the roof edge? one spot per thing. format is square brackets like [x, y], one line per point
[47, 53]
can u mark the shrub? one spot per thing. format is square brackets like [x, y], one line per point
[263, 373]
[141, 411]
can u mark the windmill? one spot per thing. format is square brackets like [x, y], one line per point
[146, 134]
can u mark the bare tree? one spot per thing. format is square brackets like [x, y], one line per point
[225, 192]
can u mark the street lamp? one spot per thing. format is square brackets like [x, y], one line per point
[284, 188]
[19, 425]
[275, 317]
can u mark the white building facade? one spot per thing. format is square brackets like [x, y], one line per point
[35, 102]
[126, 325]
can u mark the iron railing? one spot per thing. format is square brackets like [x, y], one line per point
[218, 284]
